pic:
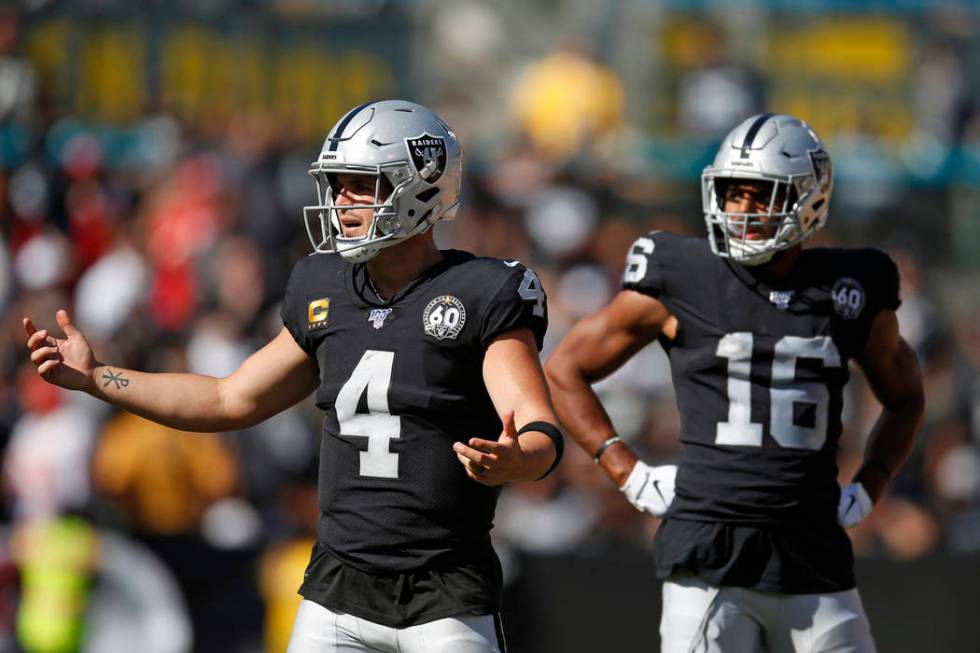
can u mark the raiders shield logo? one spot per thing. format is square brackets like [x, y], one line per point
[428, 155]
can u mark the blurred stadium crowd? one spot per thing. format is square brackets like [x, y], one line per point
[171, 247]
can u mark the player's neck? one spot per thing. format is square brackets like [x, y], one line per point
[396, 266]
[781, 265]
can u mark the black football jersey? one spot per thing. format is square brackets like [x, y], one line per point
[759, 372]
[400, 382]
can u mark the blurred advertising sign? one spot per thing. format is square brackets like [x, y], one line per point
[845, 74]
[302, 71]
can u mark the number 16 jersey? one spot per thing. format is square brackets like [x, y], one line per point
[759, 371]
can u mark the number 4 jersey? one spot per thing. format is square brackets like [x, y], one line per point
[400, 382]
[759, 371]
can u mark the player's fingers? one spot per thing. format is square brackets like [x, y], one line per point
[42, 354]
[477, 468]
[486, 446]
[469, 453]
[468, 463]
[65, 323]
[48, 366]
[474, 471]
[28, 326]
[479, 477]
[35, 339]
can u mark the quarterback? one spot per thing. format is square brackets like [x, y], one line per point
[759, 332]
[425, 364]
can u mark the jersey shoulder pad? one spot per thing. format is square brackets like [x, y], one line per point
[659, 259]
[862, 281]
[510, 296]
[314, 282]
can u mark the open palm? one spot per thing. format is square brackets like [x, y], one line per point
[67, 362]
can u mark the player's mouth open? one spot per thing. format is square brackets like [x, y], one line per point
[351, 226]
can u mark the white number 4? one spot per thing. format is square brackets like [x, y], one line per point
[530, 290]
[373, 373]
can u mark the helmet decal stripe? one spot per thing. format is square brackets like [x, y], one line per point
[751, 134]
[342, 125]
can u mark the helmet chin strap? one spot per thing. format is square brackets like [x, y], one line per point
[752, 261]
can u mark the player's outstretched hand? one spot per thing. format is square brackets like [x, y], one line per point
[855, 504]
[493, 463]
[650, 489]
[68, 362]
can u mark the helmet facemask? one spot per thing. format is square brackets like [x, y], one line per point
[323, 221]
[753, 238]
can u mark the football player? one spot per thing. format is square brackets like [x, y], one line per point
[759, 332]
[425, 364]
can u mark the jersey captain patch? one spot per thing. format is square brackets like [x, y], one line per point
[444, 317]
[317, 313]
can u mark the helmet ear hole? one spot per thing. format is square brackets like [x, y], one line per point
[426, 195]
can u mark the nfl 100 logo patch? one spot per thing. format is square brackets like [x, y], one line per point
[781, 299]
[378, 316]
[444, 318]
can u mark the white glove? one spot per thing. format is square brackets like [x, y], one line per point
[855, 505]
[650, 489]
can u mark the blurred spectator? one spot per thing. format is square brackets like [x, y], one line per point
[166, 479]
[46, 461]
[566, 100]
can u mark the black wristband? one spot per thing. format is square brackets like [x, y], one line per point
[605, 445]
[880, 466]
[552, 432]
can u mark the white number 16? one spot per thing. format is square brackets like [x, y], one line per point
[784, 392]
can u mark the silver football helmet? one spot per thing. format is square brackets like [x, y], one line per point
[402, 143]
[779, 149]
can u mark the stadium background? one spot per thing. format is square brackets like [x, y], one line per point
[153, 161]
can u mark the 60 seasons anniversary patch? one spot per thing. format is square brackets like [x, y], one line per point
[444, 318]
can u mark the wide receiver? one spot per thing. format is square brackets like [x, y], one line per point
[759, 332]
[425, 363]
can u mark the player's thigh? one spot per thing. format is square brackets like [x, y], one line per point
[828, 623]
[319, 630]
[698, 617]
[468, 634]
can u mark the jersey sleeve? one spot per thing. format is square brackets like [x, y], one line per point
[885, 282]
[520, 302]
[877, 290]
[295, 311]
[643, 272]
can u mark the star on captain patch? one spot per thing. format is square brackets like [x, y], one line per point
[377, 317]
[781, 298]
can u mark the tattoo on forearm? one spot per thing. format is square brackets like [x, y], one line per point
[120, 380]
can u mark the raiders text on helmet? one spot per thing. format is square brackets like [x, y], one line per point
[407, 145]
[784, 151]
